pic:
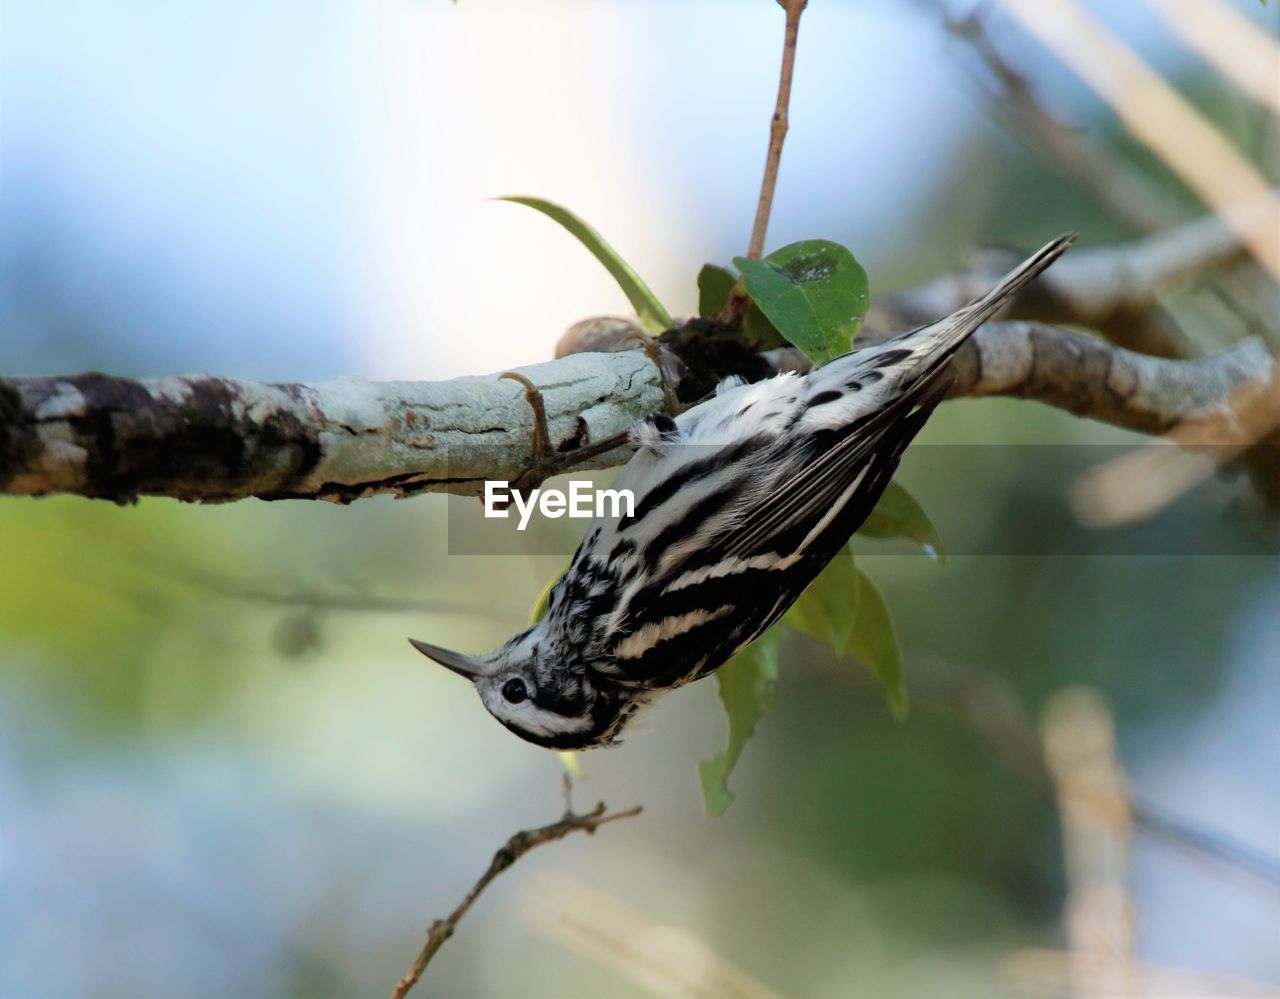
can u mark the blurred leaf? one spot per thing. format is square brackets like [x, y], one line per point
[842, 608]
[747, 683]
[715, 284]
[539, 610]
[814, 292]
[828, 607]
[570, 760]
[653, 317]
[899, 515]
[874, 642]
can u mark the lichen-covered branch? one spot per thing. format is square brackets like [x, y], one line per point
[210, 439]
[213, 439]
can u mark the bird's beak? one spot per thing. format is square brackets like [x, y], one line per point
[472, 669]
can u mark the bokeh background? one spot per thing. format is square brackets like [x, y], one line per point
[222, 770]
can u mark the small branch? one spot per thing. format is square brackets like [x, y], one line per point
[1091, 378]
[1088, 377]
[1111, 289]
[777, 128]
[515, 848]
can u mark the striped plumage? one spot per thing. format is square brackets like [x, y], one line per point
[739, 503]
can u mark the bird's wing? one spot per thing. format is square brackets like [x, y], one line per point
[841, 482]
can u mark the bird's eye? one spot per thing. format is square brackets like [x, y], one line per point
[514, 690]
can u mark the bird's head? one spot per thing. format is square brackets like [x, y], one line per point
[539, 696]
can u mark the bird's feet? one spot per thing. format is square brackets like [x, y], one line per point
[652, 348]
[546, 461]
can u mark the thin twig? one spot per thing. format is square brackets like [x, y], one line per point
[777, 128]
[515, 848]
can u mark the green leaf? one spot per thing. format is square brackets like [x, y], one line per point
[899, 515]
[539, 610]
[653, 317]
[759, 332]
[842, 608]
[747, 684]
[828, 608]
[874, 642]
[715, 285]
[814, 292]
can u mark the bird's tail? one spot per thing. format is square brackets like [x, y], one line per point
[947, 334]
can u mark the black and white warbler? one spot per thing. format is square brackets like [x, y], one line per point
[739, 503]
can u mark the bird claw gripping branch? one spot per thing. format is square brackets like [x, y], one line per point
[545, 461]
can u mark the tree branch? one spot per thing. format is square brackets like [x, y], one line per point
[1089, 377]
[209, 439]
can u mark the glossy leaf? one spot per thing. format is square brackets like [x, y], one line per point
[653, 317]
[899, 515]
[814, 292]
[747, 684]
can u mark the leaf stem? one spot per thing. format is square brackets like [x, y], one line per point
[777, 128]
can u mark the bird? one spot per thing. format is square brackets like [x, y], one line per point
[739, 502]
